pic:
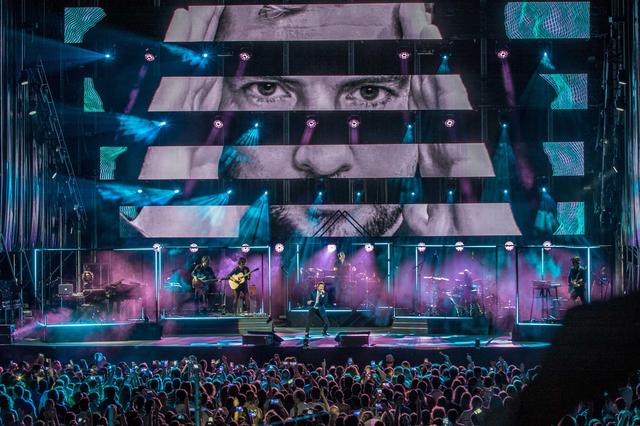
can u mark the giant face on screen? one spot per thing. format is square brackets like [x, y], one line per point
[313, 154]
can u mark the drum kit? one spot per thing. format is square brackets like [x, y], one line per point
[463, 299]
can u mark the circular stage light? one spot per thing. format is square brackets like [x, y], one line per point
[404, 54]
[149, 56]
[218, 124]
[331, 248]
[311, 123]
[279, 248]
[245, 248]
[368, 247]
[244, 56]
[547, 245]
[193, 248]
[509, 246]
[205, 55]
[502, 53]
[422, 247]
[354, 123]
[449, 122]
[459, 246]
[157, 247]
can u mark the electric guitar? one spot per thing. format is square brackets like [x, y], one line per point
[236, 280]
[575, 284]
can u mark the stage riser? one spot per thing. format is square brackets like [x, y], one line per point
[380, 318]
[534, 332]
[101, 333]
[215, 326]
[421, 326]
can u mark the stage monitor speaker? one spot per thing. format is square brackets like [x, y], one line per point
[261, 338]
[352, 338]
[6, 334]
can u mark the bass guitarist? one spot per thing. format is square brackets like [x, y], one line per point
[577, 280]
[238, 280]
[201, 277]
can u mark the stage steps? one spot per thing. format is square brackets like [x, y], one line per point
[426, 326]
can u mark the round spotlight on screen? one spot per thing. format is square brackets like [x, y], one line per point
[422, 247]
[502, 54]
[279, 248]
[157, 247]
[193, 248]
[149, 56]
[244, 56]
[404, 54]
[354, 122]
[331, 248]
[245, 248]
[509, 246]
[218, 123]
[311, 123]
[449, 122]
[547, 245]
[368, 247]
[459, 246]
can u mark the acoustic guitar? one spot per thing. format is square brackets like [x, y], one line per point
[236, 280]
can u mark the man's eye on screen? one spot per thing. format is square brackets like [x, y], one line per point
[369, 96]
[267, 91]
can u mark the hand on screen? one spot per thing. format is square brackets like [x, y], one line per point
[195, 23]
[439, 91]
[415, 21]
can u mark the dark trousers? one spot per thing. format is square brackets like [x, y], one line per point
[323, 317]
[579, 293]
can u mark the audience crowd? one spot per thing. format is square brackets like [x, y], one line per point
[282, 391]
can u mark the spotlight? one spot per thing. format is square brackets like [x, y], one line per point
[409, 126]
[266, 192]
[24, 78]
[320, 193]
[279, 248]
[505, 192]
[256, 124]
[413, 193]
[450, 192]
[449, 122]
[331, 248]
[509, 246]
[422, 247]
[205, 55]
[218, 123]
[354, 122]
[176, 191]
[193, 248]
[504, 125]
[53, 176]
[33, 107]
[543, 189]
[139, 191]
[149, 56]
[547, 245]
[107, 55]
[162, 123]
[311, 123]
[445, 56]
[545, 54]
[157, 247]
[368, 247]
[459, 246]
[404, 54]
[502, 53]
[244, 56]
[229, 192]
[245, 248]
[358, 194]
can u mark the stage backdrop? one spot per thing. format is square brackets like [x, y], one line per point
[256, 123]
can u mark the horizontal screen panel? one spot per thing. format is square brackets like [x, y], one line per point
[312, 93]
[286, 22]
[337, 220]
[308, 161]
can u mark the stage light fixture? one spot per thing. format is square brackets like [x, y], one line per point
[162, 123]
[404, 54]
[320, 193]
[149, 56]
[545, 54]
[502, 54]
[205, 55]
[266, 192]
[218, 123]
[193, 248]
[413, 193]
[279, 248]
[139, 191]
[509, 246]
[245, 248]
[176, 191]
[504, 125]
[229, 192]
[311, 123]
[358, 194]
[450, 192]
[24, 78]
[331, 248]
[256, 124]
[107, 55]
[622, 77]
[33, 107]
[244, 56]
[459, 246]
[368, 247]
[543, 189]
[54, 175]
[422, 247]
[547, 245]
[449, 122]
[505, 192]
[409, 126]
[157, 247]
[354, 122]
[445, 56]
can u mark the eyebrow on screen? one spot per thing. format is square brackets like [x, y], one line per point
[396, 79]
[272, 12]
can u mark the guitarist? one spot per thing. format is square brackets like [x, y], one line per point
[577, 280]
[201, 276]
[240, 293]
